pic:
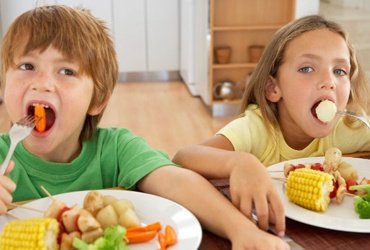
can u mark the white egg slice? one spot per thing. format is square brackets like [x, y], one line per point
[326, 111]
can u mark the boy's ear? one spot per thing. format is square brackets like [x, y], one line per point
[272, 90]
[97, 109]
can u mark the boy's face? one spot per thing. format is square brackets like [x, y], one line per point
[316, 67]
[50, 79]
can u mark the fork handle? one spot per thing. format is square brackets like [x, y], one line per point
[5, 163]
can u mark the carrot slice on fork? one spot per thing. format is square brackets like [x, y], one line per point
[40, 118]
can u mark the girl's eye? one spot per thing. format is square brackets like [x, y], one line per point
[305, 69]
[340, 72]
[26, 66]
[67, 72]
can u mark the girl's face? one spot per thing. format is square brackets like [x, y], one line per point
[316, 67]
[55, 82]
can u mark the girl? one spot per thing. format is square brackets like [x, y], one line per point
[306, 62]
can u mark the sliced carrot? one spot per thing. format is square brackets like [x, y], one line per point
[40, 116]
[170, 235]
[155, 226]
[162, 241]
[139, 237]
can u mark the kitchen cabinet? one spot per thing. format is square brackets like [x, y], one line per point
[145, 32]
[147, 35]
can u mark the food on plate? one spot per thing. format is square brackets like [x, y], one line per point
[168, 238]
[347, 171]
[344, 178]
[309, 188]
[74, 227]
[99, 214]
[40, 117]
[34, 233]
[333, 157]
[112, 239]
[344, 174]
[93, 202]
[326, 111]
[107, 217]
[362, 203]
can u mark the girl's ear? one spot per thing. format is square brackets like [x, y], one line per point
[97, 109]
[272, 90]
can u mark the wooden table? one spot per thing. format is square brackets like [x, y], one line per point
[307, 236]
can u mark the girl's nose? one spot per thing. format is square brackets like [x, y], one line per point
[328, 82]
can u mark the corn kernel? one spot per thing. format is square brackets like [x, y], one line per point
[30, 234]
[309, 188]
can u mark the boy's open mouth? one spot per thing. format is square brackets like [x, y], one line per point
[45, 116]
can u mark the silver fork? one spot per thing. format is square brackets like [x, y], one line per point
[17, 133]
[353, 114]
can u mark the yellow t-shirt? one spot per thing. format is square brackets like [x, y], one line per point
[249, 134]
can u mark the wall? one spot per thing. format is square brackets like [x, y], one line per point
[307, 7]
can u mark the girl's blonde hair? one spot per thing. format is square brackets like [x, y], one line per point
[78, 35]
[273, 57]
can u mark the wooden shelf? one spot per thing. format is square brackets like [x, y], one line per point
[239, 24]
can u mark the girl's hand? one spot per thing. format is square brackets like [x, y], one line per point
[7, 186]
[251, 188]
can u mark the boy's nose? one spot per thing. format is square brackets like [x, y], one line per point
[42, 83]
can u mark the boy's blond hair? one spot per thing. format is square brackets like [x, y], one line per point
[273, 58]
[78, 35]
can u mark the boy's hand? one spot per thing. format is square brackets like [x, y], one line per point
[251, 187]
[7, 186]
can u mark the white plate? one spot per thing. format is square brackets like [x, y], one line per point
[150, 208]
[341, 217]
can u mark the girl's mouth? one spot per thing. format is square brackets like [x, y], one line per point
[324, 110]
[44, 116]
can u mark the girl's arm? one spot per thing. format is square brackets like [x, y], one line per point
[214, 158]
[251, 187]
[213, 210]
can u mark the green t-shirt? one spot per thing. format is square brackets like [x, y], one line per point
[249, 134]
[111, 158]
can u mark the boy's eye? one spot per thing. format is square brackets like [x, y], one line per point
[26, 66]
[67, 72]
[305, 69]
[340, 72]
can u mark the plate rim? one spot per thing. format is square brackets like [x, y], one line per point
[318, 219]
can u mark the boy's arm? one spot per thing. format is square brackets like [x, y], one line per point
[214, 211]
[7, 186]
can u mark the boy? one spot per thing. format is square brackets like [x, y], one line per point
[61, 60]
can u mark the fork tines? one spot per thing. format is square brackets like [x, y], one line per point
[28, 121]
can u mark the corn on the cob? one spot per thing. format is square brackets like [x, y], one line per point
[309, 188]
[27, 234]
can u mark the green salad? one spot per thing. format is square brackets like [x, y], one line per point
[112, 239]
[362, 203]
